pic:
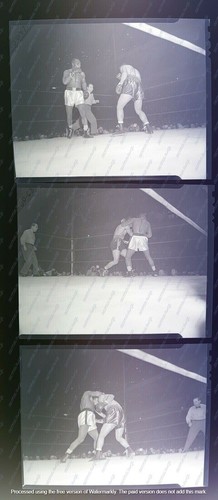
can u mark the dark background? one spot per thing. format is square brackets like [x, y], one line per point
[174, 78]
[155, 400]
[90, 215]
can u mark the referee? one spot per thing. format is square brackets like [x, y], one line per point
[27, 241]
[195, 418]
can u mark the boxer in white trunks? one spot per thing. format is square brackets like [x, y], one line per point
[75, 95]
[141, 230]
[86, 422]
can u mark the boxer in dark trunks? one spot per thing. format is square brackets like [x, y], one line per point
[119, 244]
[130, 88]
[115, 419]
[75, 95]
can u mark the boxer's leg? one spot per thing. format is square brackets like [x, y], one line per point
[139, 112]
[119, 437]
[123, 252]
[142, 116]
[76, 125]
[121, 103]
[150, 260]
[114, 262]
[82, 433]
[105, 430]
[94, 436]
[69, 114]
[128, 259]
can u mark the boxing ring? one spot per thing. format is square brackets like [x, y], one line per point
[156, 430]
[76, 305]
[175, 105]
[172, 468]
[83, 303]
[179, 152]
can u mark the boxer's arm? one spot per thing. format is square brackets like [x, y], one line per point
[129, 232]
[149, 232]
[100, 414]
[130, 221]
[66, 77]
[124, 75]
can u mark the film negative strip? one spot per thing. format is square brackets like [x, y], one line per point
[115, 261]
[131, 101]
[125, 418]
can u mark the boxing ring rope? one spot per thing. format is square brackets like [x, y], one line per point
[62, 442]
[71, 251]
[151, 243]
[99, 260]
[170, 207]
[150, 87]
[58, 438]
[56, 426]
[152, 30]
[149, 358]
[165, 115]
[106, 95]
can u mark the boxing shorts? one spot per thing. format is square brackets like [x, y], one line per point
[117, 244]
[115, 415]
[87, 417]
[133, 87]
[73, 97]
[138, 243]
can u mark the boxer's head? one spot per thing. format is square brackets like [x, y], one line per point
[123, 222]
[76, 64]
[124, 67]
[94, 399]
[128, 220]
[98, 406]
[90, 87]
[105, 399]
